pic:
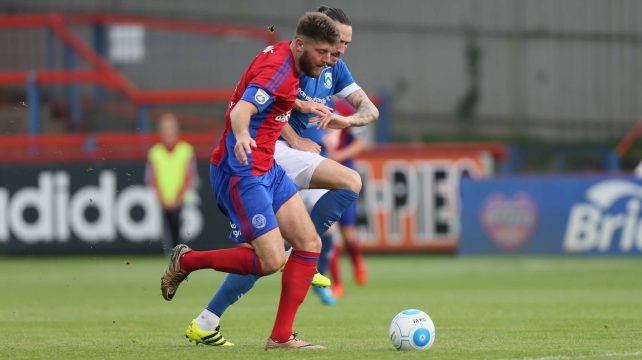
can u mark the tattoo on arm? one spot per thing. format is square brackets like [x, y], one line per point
[366, 113]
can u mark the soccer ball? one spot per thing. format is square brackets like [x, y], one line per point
[412, 329]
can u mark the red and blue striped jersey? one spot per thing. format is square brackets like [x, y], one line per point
[270, 83]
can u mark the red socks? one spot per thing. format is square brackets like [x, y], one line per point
[354, 250]
[239, 260]
[295, 283]
[334, 266]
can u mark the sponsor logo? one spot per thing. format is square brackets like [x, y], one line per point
[327, 80]
[612, 208]
[259, 221]
[236, 233]
[269, 49]
[328, 223]
[261, 96]
[284, 117]
[509, 221]
[54, 212]
[304, 96]
[411, 202]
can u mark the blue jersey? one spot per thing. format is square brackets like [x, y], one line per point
[335, 80]
[316, 135]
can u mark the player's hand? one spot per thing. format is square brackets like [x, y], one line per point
[331, 121]
[305, 144]
[311, 107]
[243, 147]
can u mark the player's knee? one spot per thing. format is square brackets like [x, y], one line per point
[347, 179]
[311, 242]
[272, 264]
[314, 244]
[354, 181]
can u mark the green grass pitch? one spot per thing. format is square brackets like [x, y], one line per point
[484, 308]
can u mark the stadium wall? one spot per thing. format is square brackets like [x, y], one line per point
[553, 69]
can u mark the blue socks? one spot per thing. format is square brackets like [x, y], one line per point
[327, 244]
[324, 213]
[329, 208]
[230, 291]
[327, 211]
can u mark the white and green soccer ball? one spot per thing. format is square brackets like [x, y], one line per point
[412, 329]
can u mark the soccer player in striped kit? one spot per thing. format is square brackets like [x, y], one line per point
[261, 202]
[302, 162]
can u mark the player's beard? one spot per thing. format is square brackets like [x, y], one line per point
[306, 65]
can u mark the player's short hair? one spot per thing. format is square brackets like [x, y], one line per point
[335, 14]
[318, 27]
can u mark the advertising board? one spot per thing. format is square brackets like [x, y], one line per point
[552, 215]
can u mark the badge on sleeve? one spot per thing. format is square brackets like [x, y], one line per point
[261, 96]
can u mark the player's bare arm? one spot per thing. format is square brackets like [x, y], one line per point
[298, 142]
[311, 107]
[240, 121]
[366, 113]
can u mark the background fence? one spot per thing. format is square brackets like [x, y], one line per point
[565, 70]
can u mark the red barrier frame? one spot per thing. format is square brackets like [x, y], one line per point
[106, 75]
[134, 146]
[93, 147]
[629, 139]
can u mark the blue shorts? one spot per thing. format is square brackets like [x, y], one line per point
[251, 202]
[349, 215]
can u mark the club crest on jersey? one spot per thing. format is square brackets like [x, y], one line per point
[327, 80]
[259, 221]
[261, 96]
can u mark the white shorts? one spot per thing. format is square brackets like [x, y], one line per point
[298, 165]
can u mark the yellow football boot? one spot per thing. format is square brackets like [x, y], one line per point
[319, 280]
[211, 338]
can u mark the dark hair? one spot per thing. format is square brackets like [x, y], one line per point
[335, 14]
[318, 27]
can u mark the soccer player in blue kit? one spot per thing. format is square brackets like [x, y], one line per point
[253, 190]
[349, 143]
[300, 159]
[342, 146]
